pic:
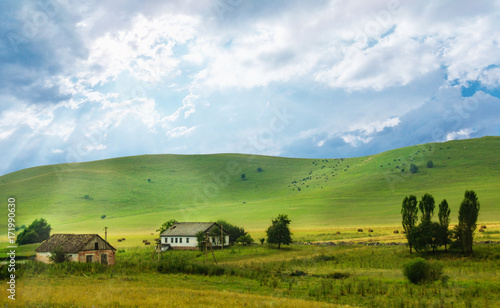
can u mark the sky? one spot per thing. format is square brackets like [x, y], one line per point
[312, 79]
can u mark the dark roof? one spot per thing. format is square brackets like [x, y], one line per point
[69, 243]
[188, 228]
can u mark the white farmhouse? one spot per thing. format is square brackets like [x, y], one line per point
[182, 235]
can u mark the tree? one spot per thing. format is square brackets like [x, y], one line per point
[167, 224]
[413, 168]
[200, 238]
[233, 231]
[426, 206]
[426, 235]
[245, 240]
[103, 216]
[409, 212]
[467, 219]
[37, 232]
[262, 240]
[430, 164]
[243, 176]
[279, 231]
[444, 222]
[259, 169]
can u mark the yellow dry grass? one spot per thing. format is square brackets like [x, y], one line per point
[36, 293]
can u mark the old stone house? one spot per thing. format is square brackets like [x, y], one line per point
[182, 235]
[85, 248]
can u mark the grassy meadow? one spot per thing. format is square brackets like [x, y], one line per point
[262, 276]
[138, 193]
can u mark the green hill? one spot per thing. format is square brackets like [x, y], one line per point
[138, 193]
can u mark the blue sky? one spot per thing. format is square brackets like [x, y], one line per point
[102, 79]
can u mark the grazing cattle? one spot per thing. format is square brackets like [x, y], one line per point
[370, 230]
[360, 230]
[123, 238]
[338, 232]
[403, 232]
[395, 232]
[147, 243]
[481, 230]
[119, 240]
[144, 241]
[483, 227]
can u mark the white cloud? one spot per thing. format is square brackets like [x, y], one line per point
[4, 134]
[180, 131]
[145, 50]
[94, 147]
[461, 134]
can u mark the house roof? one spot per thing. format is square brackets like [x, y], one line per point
[69, 243]
[188, 228]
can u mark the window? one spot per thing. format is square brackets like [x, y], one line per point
[171, 240]
[180, 240]
[176, 240]
[89, 258]
[104, 259]
[96, 246]
[187, 240]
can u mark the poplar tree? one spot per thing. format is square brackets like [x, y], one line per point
[467, 219]
[409, 212]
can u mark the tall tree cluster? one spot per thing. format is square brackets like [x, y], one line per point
[428, 234]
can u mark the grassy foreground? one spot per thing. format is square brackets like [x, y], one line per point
[260, 276]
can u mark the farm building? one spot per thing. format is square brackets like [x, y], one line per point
[182, 235]
[84, 248]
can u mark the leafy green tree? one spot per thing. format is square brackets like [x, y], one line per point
[167, 224]
[233, 231]
[279, 231]
[426, 206]
[200, 238]
[409, 213]
[444, 222]
[413, 168]
[426, 235]
[259, 169]
[430, 164]
[245, 240]
[37, 232]
[262, 240]
[467, 219]
[243, 176]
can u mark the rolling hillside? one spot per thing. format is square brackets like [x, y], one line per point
[138, 193]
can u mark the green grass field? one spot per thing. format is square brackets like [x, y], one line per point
[138, 193]
[261, 276]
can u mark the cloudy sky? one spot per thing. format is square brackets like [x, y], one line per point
[102, 79]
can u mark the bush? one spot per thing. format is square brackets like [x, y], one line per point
[413, 168]
[420, 271]
[430, 164]
[245, 240]
[58, 256]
